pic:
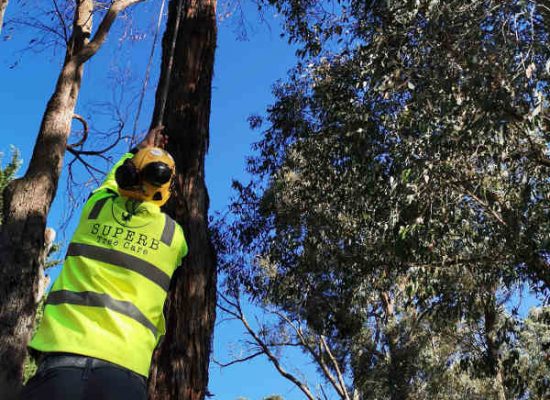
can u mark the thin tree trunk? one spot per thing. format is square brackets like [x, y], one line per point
[180, 365]
[27, 200]
[3, 6]
[397, 369]
[494, 363]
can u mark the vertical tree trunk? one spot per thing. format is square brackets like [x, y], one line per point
[3, 5]
[397, 368]
[28, 200]
[180, 365]
[494, 364]
[26, 205]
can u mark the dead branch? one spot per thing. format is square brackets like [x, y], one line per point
[84, 135]
[239, 360]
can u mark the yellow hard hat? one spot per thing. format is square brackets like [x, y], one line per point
[147, 176]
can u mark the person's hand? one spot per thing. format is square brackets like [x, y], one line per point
[154, 138]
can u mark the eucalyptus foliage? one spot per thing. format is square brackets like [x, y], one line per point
[400, 200]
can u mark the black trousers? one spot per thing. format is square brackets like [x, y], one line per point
[72, 377]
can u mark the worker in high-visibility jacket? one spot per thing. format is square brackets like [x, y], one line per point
[104, 313]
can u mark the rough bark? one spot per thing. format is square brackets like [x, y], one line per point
[3, 6]
[180, 365]
[27, 200]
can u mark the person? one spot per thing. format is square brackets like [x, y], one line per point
[104, 314]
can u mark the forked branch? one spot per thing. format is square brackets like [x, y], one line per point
[97, 41]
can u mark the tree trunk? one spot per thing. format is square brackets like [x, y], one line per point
[397, 368]
[180, 365]
[26, 205]
[3, 6]
[494, 363]
[28, 200]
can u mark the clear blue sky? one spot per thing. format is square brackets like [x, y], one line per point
[244, 74]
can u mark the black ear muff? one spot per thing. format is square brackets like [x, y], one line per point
[127, 175]
[156, 173]
[157, 196]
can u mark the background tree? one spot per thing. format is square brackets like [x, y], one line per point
[180, 368]
[27, 199]
[400, 192]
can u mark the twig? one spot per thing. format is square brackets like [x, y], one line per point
[63, 24]
[87, 165]
[239, 360]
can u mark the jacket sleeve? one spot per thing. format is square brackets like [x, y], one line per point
[109, 182]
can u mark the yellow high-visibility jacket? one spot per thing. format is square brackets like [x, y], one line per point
[108, 300]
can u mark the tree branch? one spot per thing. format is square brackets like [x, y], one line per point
[485, 206]
[84, 135]
[317, 357]
[62, 20]
[88, 166]
[239, 360]
[336, 366]
[263, 346]
[97, 41]
[275, 361]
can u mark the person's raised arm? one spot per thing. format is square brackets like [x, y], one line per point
[154, 138]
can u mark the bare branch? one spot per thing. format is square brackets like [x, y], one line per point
[3, 5]
[84, 135]
[87, 165]
[239, 360]
[316, 356]
[35, 23]
[275, 361]
[102, 31]
[336, 366]
[235, 304]
[324, 393]
[228, 311]
[258, 341]
[62, 20]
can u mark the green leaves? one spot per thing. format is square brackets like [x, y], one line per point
[400, 193]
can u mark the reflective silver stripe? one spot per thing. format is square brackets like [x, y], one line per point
[97, 208]
[94, 299]
[168, 232]
[122, 260]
